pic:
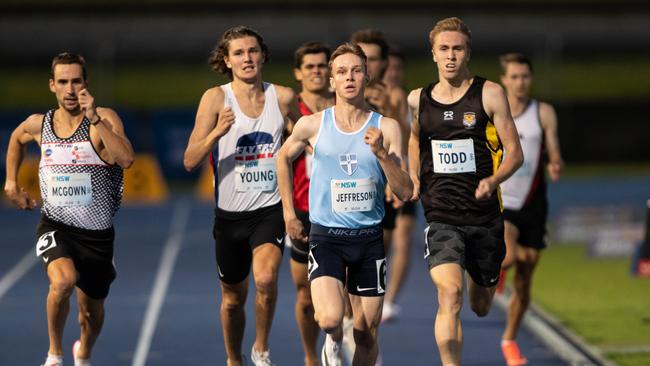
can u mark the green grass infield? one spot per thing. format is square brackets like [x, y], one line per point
[598, 299]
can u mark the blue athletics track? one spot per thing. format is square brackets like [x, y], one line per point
[163, 308]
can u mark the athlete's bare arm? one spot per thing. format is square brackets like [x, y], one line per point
[548, 120]
[400, 106]
[303, 135]
[27, 131]
[108, 136]
[414, 142]
[386, 144]
[497, 108]
[288, 106]
[211, 123]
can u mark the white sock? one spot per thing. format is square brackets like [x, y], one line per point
[81, 362]
[53, 359]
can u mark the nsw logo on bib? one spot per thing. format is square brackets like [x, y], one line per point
[353, 195]
[453, 156]
[70, 190]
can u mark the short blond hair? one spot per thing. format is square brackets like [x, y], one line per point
[346, 48]
[452, 24]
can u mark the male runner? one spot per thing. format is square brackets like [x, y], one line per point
[460, 125]
[356, 153]
[83, 152]
[524, 193]
[240, 126]
[389, 100]
[311, 71]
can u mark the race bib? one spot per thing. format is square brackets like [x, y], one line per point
[353, 195]
[257, 175]
[453, 156]
[70, 190]
[45, 243]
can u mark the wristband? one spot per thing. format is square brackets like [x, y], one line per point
[99, 118]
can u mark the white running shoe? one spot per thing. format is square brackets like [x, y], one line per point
[78, 361]
[389, 312]
[349, 346]
[261, 358]
[331, 353]
[52, 360]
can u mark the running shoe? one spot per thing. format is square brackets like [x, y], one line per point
[348, 339]
[389, 312]
[261, 358]
[78, 361]
[53, 360]
[512, 354]
[331, 353]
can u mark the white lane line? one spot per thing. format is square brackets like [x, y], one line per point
[165, 269]
[558, 339]
[17, 272]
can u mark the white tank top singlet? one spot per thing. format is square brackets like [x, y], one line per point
[243, 160]
[516, 189]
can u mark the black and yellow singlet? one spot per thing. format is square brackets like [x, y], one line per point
[459, 146]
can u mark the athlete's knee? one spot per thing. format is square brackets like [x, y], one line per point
[450, 298]
[365, 338]
[329, 321]
[232, 302]
[62, 286]
[266, 281]
[304, 298]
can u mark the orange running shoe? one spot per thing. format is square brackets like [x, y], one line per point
[501, 284]
[511, 353]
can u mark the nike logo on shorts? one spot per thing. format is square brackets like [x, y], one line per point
[279, 240]
[362, 289]
[45, 259]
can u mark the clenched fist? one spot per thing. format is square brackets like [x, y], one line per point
[19, 197]
[87, 105]
[225, 121]
[375, 139]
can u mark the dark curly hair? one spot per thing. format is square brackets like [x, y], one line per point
[220, 51]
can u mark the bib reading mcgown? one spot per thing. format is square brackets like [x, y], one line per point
[78, 188]
[459, 146]
[347, 182]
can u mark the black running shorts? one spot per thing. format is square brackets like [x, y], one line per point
[530, 220]
[237, 234]
[300, 249]
[91, 251]
[478, 249]
[355, 257]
